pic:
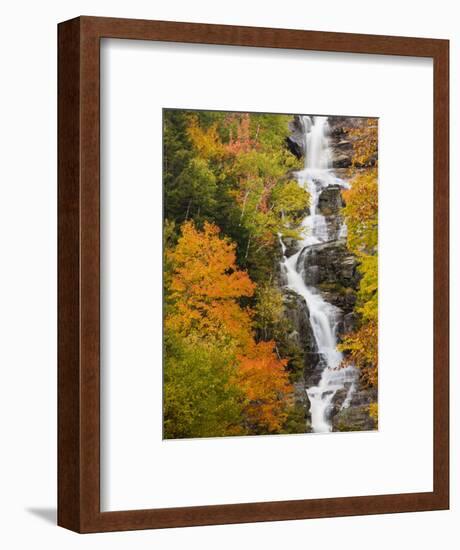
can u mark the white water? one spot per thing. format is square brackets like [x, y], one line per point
[316, 176]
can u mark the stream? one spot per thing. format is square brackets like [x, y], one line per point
[324, 317]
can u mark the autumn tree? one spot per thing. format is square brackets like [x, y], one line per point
[232, 171]
[199, 394]
[205, 139]
[205, 317]
[269, 202]
[361, 215]
[263, 378]
[206, 286]
[271, 323]
[365, 143]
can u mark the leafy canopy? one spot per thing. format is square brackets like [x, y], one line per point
[205, 318]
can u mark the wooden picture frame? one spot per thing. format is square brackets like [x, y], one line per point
[79, 274]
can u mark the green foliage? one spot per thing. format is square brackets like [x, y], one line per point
[230, 169]
[268, 311]
[228, 190]
[194, 193]
[228, 195]
[271, 324]
[290, 203]
[199, 398]
[296, 421]
[176, 146]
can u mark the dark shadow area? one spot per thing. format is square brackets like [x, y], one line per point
[47, 514]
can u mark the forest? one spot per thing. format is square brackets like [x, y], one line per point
[235, 360]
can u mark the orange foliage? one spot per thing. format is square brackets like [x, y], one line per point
[243, 142]
[206, 284]
[205, 287]
[264, 205]
[263, 378]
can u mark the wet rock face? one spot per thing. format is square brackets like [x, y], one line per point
[349, 323]
[330, 204]
[330, 269]
[292, 246]
[334, 226]
[330, 263]
[343, 298]
[302, 408]
[296, 312]
[298, 316]
[314, 373]
[295, 141]
[340, 139]
[330, 201]
[356, 416]
[333, 270]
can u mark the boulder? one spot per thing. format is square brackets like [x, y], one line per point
[342, 297]
[300, 417]
[336, 265]
[341, 160]
[341, 140]
[312, 274]
[356, 416]
[314, 373]
[350, 322]
[295, 141]
[297, 313]
[330, 201]
[292, 246]
[334, 227]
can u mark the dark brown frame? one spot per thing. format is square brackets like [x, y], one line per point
[78, 292]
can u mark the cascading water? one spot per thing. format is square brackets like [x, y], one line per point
[324, 317]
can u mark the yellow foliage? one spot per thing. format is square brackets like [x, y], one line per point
[374, 412]
[365, 142]
[205, 140]
[361, 212]
[361, 215]
[362, 348]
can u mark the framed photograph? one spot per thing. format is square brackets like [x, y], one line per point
[253, 274]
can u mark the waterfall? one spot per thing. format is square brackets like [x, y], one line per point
[324, 317]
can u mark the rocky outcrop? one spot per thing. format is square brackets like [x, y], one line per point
[292, 246]
[331, 267]
[295, 141]
[349, 323]
[328, 268]
[330, 204]
[298, 318]
[354, 417]
[330, 201]
[341, 139]
[302, 339]
[333, 270]
[297, 315]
